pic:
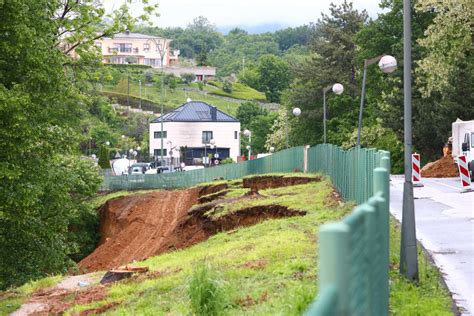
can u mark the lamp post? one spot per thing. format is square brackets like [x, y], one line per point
[337, 88]
[138, 152]
[387, 64]
[272, 149]
[249, 135]
[408, 253]
[296, 112]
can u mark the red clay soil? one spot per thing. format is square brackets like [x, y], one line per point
[268, 182]
[442, 168]
[140, 226]
[57, 301]
[136, 227]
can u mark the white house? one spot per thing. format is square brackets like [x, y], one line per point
[190, 128]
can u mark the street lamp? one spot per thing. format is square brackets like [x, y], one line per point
[249, 135]
[107, 143]
[272, 149]
[337, 88]
[296, 112]
[387, 64]
[408, 251]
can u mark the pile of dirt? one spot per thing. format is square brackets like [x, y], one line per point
[442, 168]
[136, 227]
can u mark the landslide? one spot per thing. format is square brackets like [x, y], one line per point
[136, 227]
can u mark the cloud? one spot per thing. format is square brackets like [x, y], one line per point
[244, 12]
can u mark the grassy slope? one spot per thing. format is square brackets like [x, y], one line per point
[239, 91]
[178, 97]
[266, 269]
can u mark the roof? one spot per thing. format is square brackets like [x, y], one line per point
[135, 35]
[195, 111]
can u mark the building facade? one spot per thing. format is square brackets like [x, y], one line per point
[188, 131]
[202, 73]
[135, 48]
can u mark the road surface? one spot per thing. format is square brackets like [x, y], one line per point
[445, 226]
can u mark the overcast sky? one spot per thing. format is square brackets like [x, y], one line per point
[245, 12]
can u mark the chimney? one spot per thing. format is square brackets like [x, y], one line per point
[213, 113]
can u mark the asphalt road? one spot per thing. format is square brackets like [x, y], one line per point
[445, 226]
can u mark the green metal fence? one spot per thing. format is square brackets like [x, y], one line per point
[283, 161]
[354, 252]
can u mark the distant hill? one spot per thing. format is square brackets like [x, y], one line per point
[254, 29]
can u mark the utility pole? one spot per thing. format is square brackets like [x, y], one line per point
[140, 88]
[408, 251]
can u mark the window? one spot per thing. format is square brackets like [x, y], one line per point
[146, 47]
[206, 137]
[158, 134]
[154, 62]
[236, 135]
[472, 140]
[157, 152]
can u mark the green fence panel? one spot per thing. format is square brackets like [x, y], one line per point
[354, 252]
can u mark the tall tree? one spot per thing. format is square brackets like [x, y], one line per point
[44, 183]
[274, 76]
[333, 58]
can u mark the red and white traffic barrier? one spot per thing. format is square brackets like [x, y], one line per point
[464, 174]
[416, 170]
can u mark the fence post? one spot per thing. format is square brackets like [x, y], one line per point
[381, 184]
[305, 158]
[333, 262]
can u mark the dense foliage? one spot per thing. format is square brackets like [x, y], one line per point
[45, 219]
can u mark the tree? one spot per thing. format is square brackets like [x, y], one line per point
[104, 158]
[188, 77]
[274, 76]
[448, 44]
[45, 186]
[333, 58]
[247, 112]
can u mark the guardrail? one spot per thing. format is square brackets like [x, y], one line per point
[354, 252]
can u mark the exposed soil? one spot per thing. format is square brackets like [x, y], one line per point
[136, 227]
[55, 301]
[442, 168]
[269, 182]
[212, 197]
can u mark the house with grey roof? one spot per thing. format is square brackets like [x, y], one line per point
[194, 131]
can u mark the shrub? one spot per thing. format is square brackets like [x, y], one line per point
[205, 292]
[227, 86]
[200, 86]
[188, 78]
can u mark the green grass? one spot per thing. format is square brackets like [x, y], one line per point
[430, 297]
[177, 97]
[239, 91]
[266, 269]
[12, 299]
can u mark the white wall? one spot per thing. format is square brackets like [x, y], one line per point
[190, 134]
